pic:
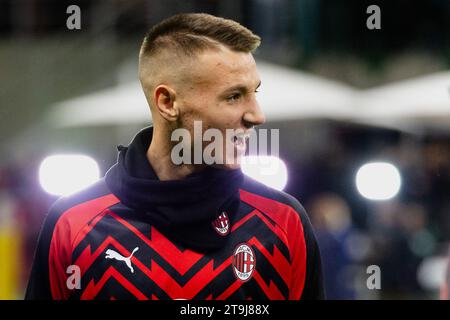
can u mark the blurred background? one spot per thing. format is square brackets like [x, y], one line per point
[342, 96]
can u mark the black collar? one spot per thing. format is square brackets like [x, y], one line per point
[182, 209]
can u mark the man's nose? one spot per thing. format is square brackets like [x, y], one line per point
[254, 115]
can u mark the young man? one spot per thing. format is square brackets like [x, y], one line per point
[154, 228]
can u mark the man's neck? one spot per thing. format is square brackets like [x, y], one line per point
[159, 157]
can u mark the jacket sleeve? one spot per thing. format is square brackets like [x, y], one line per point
[313, 288]
[47, 267]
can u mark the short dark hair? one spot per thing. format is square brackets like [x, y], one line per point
[191, 33]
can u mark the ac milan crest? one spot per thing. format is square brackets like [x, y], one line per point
[222, 224]
[244, 262]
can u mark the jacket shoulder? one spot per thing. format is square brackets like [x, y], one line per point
[290, 215]
[95, 193]
[65, 218]
[273, 198]
[69, 214]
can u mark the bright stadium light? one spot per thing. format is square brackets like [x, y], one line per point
[66, 174]
[431, 272]
[378, 181]
[269, 170]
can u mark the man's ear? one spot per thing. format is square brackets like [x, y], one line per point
[165, 102]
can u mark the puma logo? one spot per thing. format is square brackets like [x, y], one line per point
[111, 254]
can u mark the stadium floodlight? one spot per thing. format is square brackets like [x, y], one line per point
[431, 272]
[378, 181]
[67, 174]
[269, 170]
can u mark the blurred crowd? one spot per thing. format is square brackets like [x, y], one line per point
[23, 207]
[407, 237]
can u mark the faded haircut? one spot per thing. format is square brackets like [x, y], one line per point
[191, 33]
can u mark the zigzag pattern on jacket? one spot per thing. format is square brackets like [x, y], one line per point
[162, 270]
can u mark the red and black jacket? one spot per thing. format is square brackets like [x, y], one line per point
[213, 235]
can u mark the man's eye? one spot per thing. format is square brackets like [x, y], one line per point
[234, 97]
